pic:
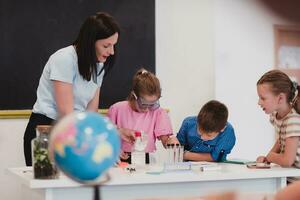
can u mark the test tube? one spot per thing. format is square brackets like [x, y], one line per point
[181, 150]
[176, 153]
[172, 153]
[168, 160]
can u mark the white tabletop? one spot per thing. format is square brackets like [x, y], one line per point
[122, 177]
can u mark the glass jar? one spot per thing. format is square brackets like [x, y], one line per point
[43, 166]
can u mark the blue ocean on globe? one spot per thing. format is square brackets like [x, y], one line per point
[84, 145]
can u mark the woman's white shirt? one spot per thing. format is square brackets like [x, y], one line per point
[63, 66]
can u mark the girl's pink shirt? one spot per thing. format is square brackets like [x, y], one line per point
[154, 123]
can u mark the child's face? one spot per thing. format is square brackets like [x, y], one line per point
[267, 100]
[144, 103]
[207, 136]
[210, 136]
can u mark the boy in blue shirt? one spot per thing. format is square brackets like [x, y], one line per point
[208, 136]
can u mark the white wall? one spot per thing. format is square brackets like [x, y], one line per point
[244, 50]
[11, 155]
[184, 55]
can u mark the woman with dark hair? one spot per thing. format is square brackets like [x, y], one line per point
[73, 75]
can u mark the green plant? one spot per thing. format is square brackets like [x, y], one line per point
[43, 167]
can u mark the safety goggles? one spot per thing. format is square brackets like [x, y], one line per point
[144, 104]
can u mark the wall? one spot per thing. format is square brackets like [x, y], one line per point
[184, 55]
[244, 50]
[11, 155]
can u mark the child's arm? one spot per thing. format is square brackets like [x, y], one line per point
[127, 135]
[291, 192]
[164, 139]
[224, 145]
[275, 149]
[192, 156]
[168, 139]
[163, 127]
[287, 158]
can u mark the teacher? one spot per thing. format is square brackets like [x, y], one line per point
[72, 77]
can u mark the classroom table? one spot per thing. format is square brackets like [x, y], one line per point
[140, 185]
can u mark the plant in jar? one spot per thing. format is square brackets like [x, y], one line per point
[43, 167]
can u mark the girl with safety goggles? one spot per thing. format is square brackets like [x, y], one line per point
[142, 112]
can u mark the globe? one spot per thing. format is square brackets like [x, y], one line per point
[84, 145]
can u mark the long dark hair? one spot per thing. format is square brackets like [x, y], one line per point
[95, 27]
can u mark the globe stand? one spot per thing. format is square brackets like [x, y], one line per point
[96, 186]
[97, 193]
